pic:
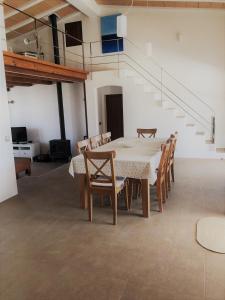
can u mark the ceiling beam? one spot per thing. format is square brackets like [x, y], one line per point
[166, 4]
[23, 7]
[87, 7]
[39, 16]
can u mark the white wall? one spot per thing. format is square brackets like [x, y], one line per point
[36, 108]
[198, 60]
[8, 187]
[141, 110]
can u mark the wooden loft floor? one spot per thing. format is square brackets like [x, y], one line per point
[25, 71]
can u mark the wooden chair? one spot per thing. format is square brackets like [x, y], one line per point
[106, 138]
[170, 141]
[96, 141]
[161, 176]
[174, 138]
[83, 146]
[136, 183]
[143, 132]
[101, 182]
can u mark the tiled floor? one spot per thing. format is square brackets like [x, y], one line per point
[48, 250]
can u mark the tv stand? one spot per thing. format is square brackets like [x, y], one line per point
[29, 150]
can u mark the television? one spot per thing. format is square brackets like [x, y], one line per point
[19, 134]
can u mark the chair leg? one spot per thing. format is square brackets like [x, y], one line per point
[90, 207]
[168, 181]
[172, 172]
[163, 192]
[115, 209]
[126, 196]
[139, 189]
[159, 197]
[136, 190]
[101, 200]
[130, 194]
[166, 186]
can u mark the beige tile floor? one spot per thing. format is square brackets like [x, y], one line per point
[48, 250]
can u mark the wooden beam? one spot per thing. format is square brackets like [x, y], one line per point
[21, 4]
[12, 71]
[14, 79]
[87, 7]
[166, 4]
[37, 16]
[26, 28]
[16, 4]
[66, 11]
[36, 9]
[19, 64]
[12, 84]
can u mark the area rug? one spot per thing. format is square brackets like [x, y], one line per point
[211, 233]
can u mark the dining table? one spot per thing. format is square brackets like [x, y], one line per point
[136, 158]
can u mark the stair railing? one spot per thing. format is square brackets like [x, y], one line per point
[191, 104]
[150, 58]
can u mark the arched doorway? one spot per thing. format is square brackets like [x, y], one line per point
[110, 110]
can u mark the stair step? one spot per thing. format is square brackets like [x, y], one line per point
[127, 73]
[157, 96]
[220, 150]
[190, 124]
[209, 142]
[170, 108]
[147, 89]
[139, 81]
[200, 133]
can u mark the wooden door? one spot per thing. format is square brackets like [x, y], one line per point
[114, 115]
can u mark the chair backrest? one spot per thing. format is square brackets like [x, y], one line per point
[106, 138]
[170, 142]
[151, 132]
[163, 161]
[173, 137]
[96, 164]
[96, 141]
[83, 146]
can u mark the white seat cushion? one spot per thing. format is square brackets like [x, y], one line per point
[119, 183]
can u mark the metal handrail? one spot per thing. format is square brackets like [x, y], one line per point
[164, 93]
[152, 83]
[155, 78]
[170, 75]
[164, 86]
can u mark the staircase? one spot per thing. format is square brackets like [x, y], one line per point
[154, 82]
[170, 93]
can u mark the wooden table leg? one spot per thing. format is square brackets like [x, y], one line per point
[83, 190]
[145, 194]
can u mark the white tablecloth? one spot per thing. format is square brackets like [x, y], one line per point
[135, 158]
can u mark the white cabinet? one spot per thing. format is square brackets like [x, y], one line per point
[26, 150]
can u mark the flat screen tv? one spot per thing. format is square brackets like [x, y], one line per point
[19, 134]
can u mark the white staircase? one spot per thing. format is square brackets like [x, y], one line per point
[148, 80]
